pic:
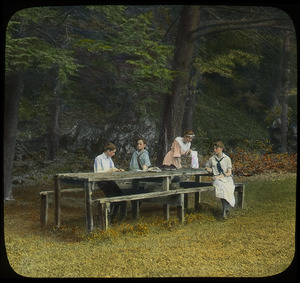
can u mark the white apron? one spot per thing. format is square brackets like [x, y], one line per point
[224, 188]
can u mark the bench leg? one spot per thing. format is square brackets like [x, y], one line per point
[123, 210]
[197, 201]
[101, 213]
[180, 209]
[106, 216]
[166, 209]
[135, 209]
[44, 210]
[240, 196]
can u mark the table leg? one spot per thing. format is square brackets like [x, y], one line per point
[56, 202]
[44, 209]
[166, 184]
[89, 206]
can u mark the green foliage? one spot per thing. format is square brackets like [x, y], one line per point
[224, 53]
[145, 59]
[33, 119]
[225, 63]
[29, 49]
[124, 62]
[25, 49]
[217, 118]
[112, 14]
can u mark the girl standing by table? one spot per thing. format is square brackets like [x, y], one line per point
[180, 147]
[221, 167]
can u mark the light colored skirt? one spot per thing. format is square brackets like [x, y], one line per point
[224, 188]
[170, 159]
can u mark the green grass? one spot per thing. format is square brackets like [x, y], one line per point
[256, 241]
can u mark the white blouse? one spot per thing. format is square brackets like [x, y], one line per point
[184, 146]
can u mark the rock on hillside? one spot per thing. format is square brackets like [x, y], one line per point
[81, 139]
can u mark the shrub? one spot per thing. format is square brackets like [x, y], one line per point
[247, 163]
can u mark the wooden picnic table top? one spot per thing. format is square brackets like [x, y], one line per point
[130, 175]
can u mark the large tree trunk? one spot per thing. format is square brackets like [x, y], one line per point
[190, 101]
[174, 103]
[283, 99]
[53, 133]
[13, 90]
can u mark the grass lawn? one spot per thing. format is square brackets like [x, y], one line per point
[257, 241]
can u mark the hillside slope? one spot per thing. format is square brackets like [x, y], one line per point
[217, 118]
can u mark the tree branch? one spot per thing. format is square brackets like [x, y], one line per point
[221, 26]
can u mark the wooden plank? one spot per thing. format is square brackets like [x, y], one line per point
[128, 175]
[71, 190]
[170, 200]
[152, 195]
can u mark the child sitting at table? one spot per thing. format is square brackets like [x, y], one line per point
[140, 158]
[104, 163]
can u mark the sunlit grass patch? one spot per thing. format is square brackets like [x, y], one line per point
[256, 241]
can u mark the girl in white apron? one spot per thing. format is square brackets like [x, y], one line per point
[221, 167]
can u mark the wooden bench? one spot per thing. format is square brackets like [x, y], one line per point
[171, 197]
[45, 202]
[175, 197]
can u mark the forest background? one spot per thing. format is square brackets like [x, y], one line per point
[77, 77]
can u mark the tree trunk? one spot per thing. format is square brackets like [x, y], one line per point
[283, 99]
[174, 103]
[190, 101]
[53, 133]
[13, 90]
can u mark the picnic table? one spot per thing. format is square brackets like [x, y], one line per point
[88, 180]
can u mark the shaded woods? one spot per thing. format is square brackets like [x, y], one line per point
[77, 77]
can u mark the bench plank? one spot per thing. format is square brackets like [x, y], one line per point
[171, 197]
[150, 195]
